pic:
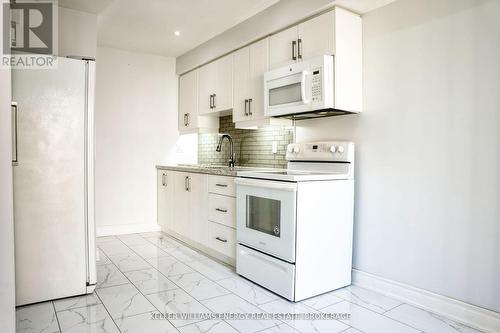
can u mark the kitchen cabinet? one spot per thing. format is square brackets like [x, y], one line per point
[283, 47]
[305, 40]
[200, 210]
[189, 119]
[250, 63]
[215, 86]
[180, 221]
[190, 197]
[165, 192]
[198, 207]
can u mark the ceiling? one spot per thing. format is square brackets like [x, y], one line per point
[148, 26]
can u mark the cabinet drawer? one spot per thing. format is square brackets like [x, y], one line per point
[221, 209]
[222, 239]
[222, 185]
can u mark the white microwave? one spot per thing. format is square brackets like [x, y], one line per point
[301, 88]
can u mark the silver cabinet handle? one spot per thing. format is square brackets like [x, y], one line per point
[164, 179]
[221, 239]
[211, 102]
[15, 128]
[215, 101]
[246, 104]
[294, 43]
[221, 185]
[221, 210]
[187, 183]
[185, 119]
[250, 106]
[299, 48]
[188, 116]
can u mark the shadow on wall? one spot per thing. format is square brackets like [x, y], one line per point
[252, 147]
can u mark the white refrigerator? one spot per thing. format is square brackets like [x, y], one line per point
[53, 166]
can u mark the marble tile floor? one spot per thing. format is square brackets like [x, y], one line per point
[141, 276]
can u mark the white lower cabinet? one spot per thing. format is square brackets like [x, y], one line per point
[165, 192]
[222, 239]
[189, 208]
[222, 209]
[190, 196]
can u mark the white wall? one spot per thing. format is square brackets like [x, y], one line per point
[276, 17]
[77, 33]
[428, 148]
[7, 278]
[136, 128]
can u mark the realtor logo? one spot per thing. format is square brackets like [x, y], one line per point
[29, 34]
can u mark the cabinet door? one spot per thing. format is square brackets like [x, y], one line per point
[259, 63]
[317, 36]
[180, 221]
[207, 76]
[188, 101]
[165, 190]
[280, 47]
[241, 61]
[198, 207]
[224, 84]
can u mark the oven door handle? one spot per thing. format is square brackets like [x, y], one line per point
[281, 186]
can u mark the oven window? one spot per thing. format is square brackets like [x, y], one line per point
[285, 94]
[264, 215]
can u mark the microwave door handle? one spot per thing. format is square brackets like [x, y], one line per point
[305, 100]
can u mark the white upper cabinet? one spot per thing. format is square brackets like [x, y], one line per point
[223, 99]
[283, 47]
[250, 63]
[241, 61]
[206, 87]
[188, 104]
[306, 40]
[189, 119]
[337, 32]
[215, 86]
[316, 36]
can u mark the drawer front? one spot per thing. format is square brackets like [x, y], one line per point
[222, 239]
[271, 273]
[221, 209]
[222, 185]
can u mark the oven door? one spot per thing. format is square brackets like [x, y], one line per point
[266, 216]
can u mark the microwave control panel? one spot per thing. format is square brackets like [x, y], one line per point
[316, 85]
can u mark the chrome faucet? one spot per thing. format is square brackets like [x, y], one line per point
[232, 157]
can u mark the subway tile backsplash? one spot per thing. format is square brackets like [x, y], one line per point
[252, 147]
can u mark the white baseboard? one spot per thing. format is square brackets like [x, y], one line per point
[471, 315]
[110, 230]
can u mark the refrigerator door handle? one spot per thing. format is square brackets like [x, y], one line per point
[15, 128]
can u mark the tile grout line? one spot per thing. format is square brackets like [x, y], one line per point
[257, 306]
[55, 314]
[165, 235]
[380, 314]
[141, 291]
[107, 311]
[231, 293]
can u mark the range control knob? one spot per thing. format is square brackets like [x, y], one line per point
[290, 149]
[333, 149]
[296, 150]
[340, 149]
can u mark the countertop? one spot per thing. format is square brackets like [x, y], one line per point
[218, 170]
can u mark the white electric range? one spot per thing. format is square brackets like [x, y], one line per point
[294, 226]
